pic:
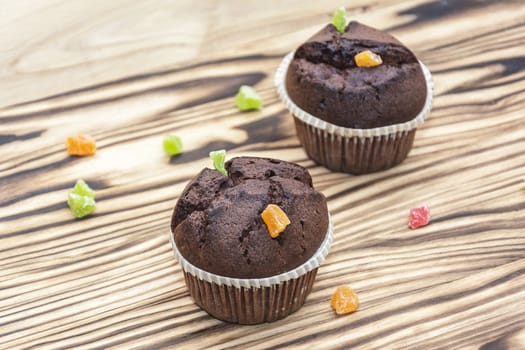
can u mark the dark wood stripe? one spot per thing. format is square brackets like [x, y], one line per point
[111, 280]
[146, 76]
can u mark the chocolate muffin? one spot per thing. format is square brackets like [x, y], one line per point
[217, 229]
[351, 118]
[324, 80]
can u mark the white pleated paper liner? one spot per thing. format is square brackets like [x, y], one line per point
[311, 264]
[280, 83]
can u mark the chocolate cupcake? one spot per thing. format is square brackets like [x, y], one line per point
[352, 117]
[234, 269]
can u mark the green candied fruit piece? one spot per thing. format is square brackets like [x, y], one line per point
[80, 205]
[82, 189]
[218, 158]
[172, 145]
[247, 98]
[339, 19]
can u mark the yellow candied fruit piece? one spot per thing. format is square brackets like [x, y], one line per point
[344, 300]
[275, 219]
[367, 59]
[81, 145]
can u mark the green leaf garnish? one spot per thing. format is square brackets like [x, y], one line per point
[172, 145]
[247, 98]
[218, 158]
[339, 19]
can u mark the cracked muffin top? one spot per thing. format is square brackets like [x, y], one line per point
[217, 223]
[324, 80]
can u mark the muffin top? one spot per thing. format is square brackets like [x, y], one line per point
[324, 80]
[217, 223]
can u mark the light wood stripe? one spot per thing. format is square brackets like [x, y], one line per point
[129, 72]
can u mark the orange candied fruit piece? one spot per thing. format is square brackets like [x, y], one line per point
[344, 300]
[367, 59]
[275, 219]
[81, 145]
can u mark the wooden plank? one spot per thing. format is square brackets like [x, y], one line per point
[129, 72]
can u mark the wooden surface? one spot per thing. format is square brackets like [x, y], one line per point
[127, 72]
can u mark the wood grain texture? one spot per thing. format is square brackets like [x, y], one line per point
[127, 72]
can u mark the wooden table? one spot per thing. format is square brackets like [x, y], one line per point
[128, 72]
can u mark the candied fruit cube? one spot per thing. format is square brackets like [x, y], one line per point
[344, 300]
[339, 19]
[81, 145]
[82, 188]
[218, 158]
[80, 205]
[275, 220]
[172, 145]
[419, 217]
[81, 199]
[247, 98]
[367, 59]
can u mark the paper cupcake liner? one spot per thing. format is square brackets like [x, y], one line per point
[351, 150]
[250, 305]
[354, 155]
[254, 300]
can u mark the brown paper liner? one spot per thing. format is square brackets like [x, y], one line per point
[355, 155]
[250, 305]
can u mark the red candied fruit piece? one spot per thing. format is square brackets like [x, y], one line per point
[419, 217]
